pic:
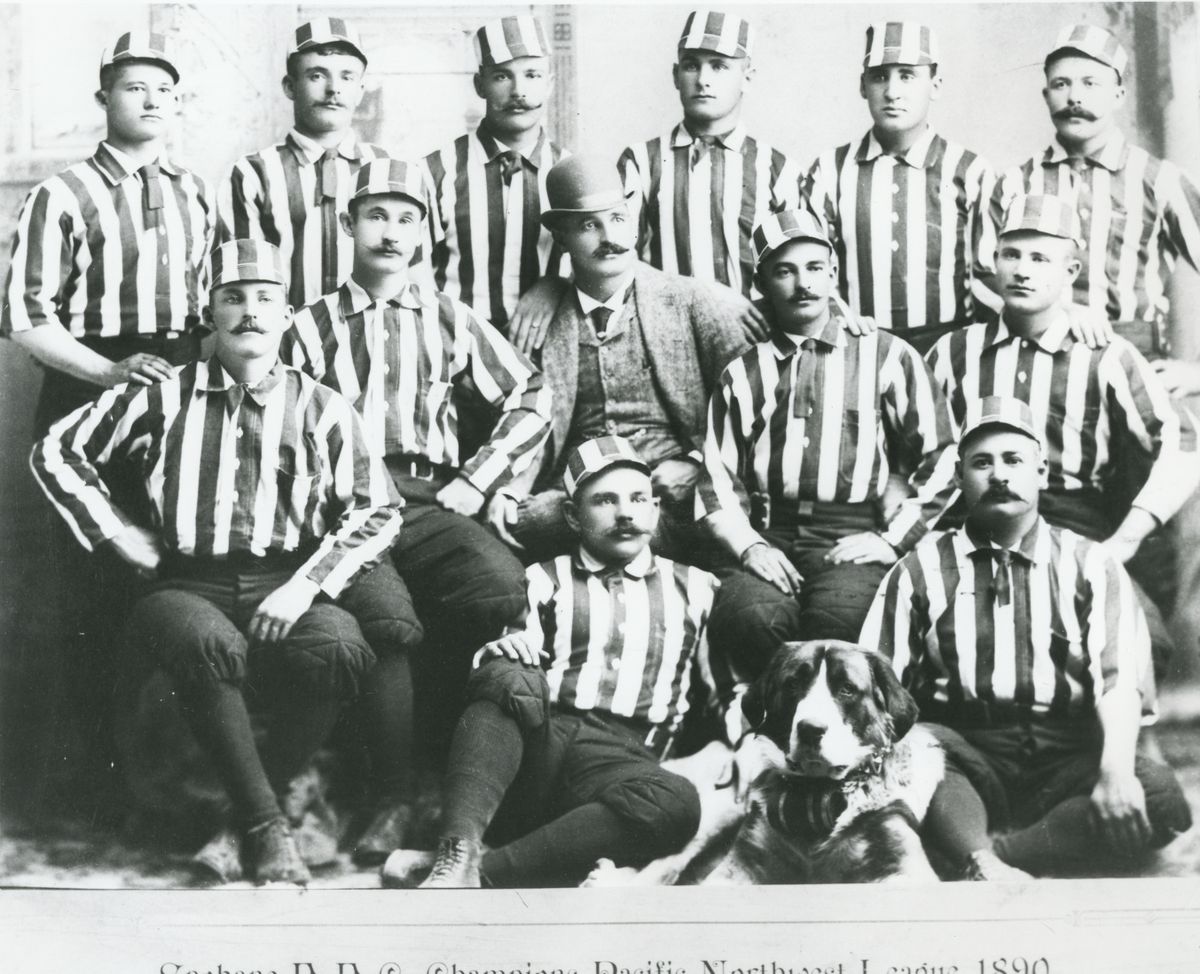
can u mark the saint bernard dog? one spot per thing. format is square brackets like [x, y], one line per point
[842, 802]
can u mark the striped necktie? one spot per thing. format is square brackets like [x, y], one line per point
[152, 197]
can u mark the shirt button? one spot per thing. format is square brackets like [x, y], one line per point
[615, 664]
[1022, 376]
[805, 441]
[1083, 214]
[895, 189]
[164, 258]
[238, 434]
[236, 462]
[233, 496]
[386, 369]
[895, 217]
[895, 245]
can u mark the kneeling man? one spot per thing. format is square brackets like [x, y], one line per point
[1025, 645]
[557, 753]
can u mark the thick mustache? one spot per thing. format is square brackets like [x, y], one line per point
[247, 326]
[1070, 112]
[1001, 494]
[605, 249]
[803, 296]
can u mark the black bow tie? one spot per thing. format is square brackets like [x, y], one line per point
[510, 163]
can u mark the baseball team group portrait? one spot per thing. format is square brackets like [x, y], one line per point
[509, 446]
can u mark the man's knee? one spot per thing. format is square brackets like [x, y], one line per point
[751, 619]
[521, 692]
[325, 654]
[383, 607]
[836, 601]
[191, 639]
[1166, 805]
[663, 810]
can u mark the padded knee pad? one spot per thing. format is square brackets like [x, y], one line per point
[521, 692]
[197, 649]
[381, 604]
[324, 659]
[663, 809]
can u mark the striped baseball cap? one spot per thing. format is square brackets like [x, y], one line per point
[595, 456]
[328, 30]
[711, 30]
[508, 38]
[776, 229]
[1051, 215]
[1003, 411]
[1094, 42]
[381, 176]
[141, 45]
[246, 260]
[900, 42]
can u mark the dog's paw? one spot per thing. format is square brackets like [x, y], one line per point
[608, 873]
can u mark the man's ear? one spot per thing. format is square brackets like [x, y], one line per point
[935, 87]
[477, 81]
[102, 98]
[347, 222]
[571, 514]
[862, 85]
[1074, 266]
[958, 473]
[289, 87]
[675, 75]
[1043, 470]
[206, 316]
[747, 75]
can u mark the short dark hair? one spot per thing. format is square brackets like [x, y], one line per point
[333, 47]
[111, 72]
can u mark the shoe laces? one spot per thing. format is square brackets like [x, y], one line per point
[452, 854]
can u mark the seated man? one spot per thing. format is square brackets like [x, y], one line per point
[267, 505]
[406, 357]
[631, 351]
[1102, 412]
[1026, 646]
[803, 433]
[556, 756]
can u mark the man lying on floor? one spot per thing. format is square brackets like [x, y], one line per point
[557, 754]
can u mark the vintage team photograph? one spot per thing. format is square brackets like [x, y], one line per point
[519, 446]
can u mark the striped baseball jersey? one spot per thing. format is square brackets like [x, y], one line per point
[623, 641]
[1044, 633]
[1100, 408]
[1139, 215]
[276, 195]
[697, 201]
[93, 253]
[797, 420]
[401, 362]
[903, 227]
[485, 203]
[229, 469]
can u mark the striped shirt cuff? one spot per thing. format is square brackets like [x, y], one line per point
[905, 529]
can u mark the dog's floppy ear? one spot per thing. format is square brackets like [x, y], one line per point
[891, 696]
[754, 704]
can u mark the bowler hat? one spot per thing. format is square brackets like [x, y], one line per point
[582, 184]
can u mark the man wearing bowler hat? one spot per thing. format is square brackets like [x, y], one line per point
[631, 351]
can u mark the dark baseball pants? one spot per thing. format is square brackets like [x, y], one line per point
[191, 622]
[555, 791]
[751, 618]
[1032, 783]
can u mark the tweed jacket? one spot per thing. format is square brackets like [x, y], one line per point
[692, 332]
